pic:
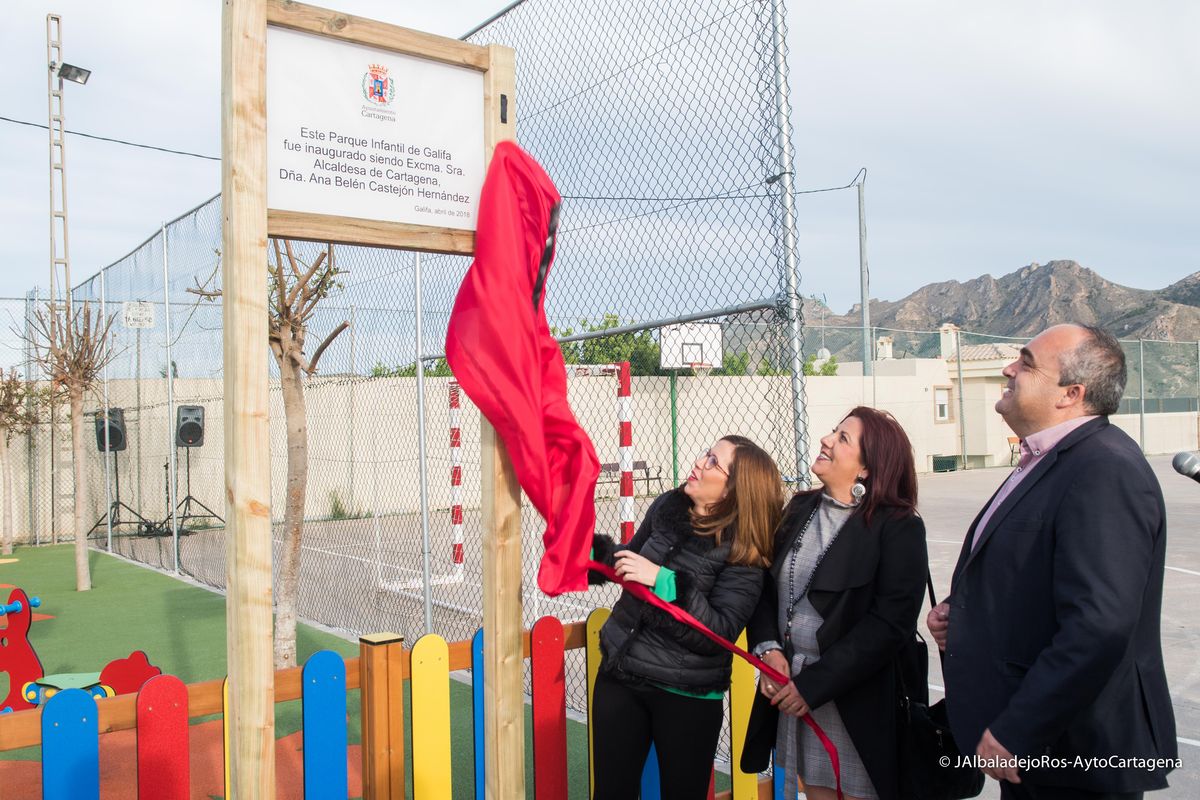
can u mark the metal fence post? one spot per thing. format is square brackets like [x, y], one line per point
[173, 454]
[104, 384]
[421, 471]
[1142, 393]
[790, 264]
[962, 416]
[30, 456]
[353, 392]
[864, 282]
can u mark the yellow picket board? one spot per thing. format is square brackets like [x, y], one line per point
[430, 685]
[741, 698]
[595, 622]
[225, 733]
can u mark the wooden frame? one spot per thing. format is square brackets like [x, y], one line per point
[493, 62]
[247, 224]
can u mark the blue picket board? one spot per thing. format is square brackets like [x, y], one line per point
[323, 704]
[70, 747]
[477, 711]
[780, 780]
[651, 782]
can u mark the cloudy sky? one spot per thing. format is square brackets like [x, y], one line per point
[994, 134]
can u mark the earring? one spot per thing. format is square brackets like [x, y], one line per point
[858, 491]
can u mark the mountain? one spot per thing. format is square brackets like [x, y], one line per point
[1034, 297]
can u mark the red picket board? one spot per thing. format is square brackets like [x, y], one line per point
[549, 704]
[163, 768]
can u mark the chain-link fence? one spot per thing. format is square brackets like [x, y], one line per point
[662, 129]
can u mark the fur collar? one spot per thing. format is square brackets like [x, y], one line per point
[674, 514]
[673, 520]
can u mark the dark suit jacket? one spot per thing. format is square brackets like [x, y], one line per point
[868, 590]
[1054, 618]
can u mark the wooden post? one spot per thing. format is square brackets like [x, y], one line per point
[381, 684]
[247, 447]
[504, 722]
[504, 695]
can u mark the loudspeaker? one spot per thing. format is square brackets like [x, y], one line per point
[116, 430]
[189, 426]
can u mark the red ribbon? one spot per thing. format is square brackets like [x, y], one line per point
[644, 594]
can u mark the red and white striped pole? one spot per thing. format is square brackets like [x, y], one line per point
[456, 512]
[625, 451]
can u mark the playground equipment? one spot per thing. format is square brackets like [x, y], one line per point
[69, 724]
[17, 656]
[48, 686]
[29, 686]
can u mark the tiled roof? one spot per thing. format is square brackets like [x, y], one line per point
[989, 352]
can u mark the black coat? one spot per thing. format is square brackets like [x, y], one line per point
[868, 590]
[1054, 637]
[643, 643]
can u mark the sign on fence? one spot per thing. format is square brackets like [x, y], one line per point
[137, 314]
[363, 132]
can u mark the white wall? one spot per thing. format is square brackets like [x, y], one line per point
[363, 442]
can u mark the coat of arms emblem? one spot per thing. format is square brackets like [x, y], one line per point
[377, 86]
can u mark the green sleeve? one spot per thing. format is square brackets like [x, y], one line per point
[664, 584]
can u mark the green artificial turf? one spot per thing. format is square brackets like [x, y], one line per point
[181, 627]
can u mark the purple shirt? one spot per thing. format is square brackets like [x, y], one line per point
[1033, 448]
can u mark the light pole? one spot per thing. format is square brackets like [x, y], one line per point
[864, 274]
[57, 72]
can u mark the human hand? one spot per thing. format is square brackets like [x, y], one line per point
[634, 567]
[777, 661]
[938, 621]
[788, 700]
[991, 751]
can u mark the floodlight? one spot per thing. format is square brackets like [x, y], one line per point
[70, 72]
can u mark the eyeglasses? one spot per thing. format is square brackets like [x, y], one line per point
[709, 461]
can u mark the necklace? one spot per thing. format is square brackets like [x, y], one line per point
[794, 597]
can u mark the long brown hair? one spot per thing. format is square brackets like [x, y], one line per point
[887, 454]
[751, 508]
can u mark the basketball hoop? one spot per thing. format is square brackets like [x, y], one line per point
[700, 369]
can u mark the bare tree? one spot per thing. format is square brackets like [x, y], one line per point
[73, 349]
[19, 403]
[295, 290]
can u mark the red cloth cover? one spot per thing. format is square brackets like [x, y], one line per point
[501, 351]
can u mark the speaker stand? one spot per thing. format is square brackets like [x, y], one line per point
[112, 518]
[184, 510]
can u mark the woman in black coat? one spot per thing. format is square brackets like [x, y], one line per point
[704, 546]
[841, 604]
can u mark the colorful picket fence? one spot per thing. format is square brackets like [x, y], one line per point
[69, 725]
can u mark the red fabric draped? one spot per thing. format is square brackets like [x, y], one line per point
[501, 351]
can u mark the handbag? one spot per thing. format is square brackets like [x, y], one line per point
[931, 765]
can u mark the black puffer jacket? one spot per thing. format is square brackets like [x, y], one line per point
[641, 642]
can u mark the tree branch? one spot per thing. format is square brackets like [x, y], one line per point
[298, 357]
[301, 286]
[328, 341]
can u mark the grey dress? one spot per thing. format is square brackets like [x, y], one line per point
[798, 750]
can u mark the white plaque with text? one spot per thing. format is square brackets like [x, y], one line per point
[356, 131]
[137, 314]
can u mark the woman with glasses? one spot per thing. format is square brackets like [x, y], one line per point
[704, 546]
[841, 603]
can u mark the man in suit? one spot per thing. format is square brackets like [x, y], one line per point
[1053, 661]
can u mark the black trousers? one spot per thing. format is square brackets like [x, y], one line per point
[626, 719]
[1030, 791]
